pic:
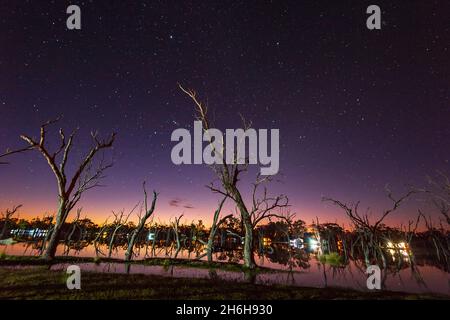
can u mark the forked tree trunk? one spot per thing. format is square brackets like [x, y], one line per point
[214, 226]
[69, 190]
[141, 225]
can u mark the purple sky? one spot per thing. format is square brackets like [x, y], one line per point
[356, 109]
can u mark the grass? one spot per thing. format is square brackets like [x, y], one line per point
[40, 283]
[11, 260]
[332, 259]
[3, 256]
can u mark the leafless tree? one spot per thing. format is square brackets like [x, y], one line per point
[120, 219]
[6, 217]
[142, 221]
[100, 233]
[228, 175]
[175, 227]
[369, 235]
[68, 240]
[71, 189]
[265, 206]
[216, 223]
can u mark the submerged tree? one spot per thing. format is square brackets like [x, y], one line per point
[215, 225]
[142, 221]
[229, 175]
[176, 230]
[370, 235]
[71, 189]
[120, 220]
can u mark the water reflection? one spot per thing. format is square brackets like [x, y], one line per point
[301, 267]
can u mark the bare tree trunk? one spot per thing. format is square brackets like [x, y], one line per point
[52, 244]
[111, 241]
[228, 173]
[249, 259]
[214, 226]
[141, 225]
[69, 190]
[97, 237]
[175, 226]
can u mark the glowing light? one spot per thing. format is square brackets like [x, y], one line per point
[401, 248]
[313, 244]
[267, 241]
[296, 243]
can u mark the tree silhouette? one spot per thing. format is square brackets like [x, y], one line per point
[71, 189]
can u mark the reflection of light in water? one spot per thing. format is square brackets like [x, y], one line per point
[33, 233]
[313, 244]
[267, 241]
[311, 275]
[400, 247]
[296, 243]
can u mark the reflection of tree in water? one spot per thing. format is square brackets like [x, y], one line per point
[232, 256]
[284, 255]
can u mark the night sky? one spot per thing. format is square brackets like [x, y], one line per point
[357, 109]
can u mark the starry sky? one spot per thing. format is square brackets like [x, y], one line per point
[357, 109]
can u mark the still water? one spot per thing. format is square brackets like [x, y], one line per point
[303, 270]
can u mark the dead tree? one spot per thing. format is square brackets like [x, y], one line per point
[228, 175]
[216, 223]
[175, 227]
[120, 219]
[369, 235]
[72, 231]
[265, 206]
[98, 236]
[6, 217]
[142, 221]
[71, 189]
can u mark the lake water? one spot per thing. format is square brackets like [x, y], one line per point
[305, 270]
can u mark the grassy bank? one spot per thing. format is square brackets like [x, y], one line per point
[38, 282]
[11, 260]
